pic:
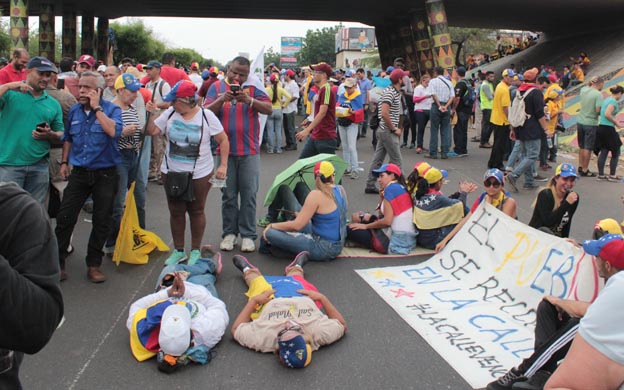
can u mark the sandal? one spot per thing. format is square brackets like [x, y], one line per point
[419, 150]
[614, 178]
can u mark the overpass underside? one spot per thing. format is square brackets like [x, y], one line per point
[416, 30]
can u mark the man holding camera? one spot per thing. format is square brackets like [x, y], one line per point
[90, 145]
[237, 101]
[30, 120]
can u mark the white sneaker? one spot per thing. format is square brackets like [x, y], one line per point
[228, 242]
[248, 245]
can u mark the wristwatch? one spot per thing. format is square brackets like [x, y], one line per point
[98, 108]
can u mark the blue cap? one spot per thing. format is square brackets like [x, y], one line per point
[42, 64]
[153, 64]
[566, 170]
[205, 75]
[392, 168]
[495, 173]
[128, 82]
[389, 69]
[295, 353]
[593, 247]
[349, 73]
[509, 73]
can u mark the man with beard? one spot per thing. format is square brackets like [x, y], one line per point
[15, 71]
[30, 120]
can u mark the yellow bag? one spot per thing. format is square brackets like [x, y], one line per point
[134, 244]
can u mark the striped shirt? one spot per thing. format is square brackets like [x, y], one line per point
[240, 121]
[442, 88]
[130, 117]
[392, 97]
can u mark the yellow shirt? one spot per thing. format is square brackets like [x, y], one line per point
[501, 99]
[552, 106]
[580, 76]
[283, 97]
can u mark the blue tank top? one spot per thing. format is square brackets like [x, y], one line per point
[327, 226]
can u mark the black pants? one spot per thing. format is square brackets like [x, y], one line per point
[501, 135]
[543, 156]
[486, 126]
[460, 133]
[553, 337]
[101, 184]
[411, 128]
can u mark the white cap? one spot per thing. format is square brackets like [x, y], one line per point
[101, 68]
[175, 330]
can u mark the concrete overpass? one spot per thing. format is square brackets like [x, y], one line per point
[402, 27]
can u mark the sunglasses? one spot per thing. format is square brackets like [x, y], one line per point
[492, 183]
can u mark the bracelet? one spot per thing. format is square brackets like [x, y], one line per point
[252, 102]
[63, 162]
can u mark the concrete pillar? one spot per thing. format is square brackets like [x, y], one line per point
[46, 31]
[102, 39]
[18, 10]
[69, 34]
[422, 41]
[440, 35]
[87, 45]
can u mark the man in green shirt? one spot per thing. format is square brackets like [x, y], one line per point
[29, 120]
[587, 123]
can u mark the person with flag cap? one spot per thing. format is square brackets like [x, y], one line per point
[494, 182]
[195, 74]
[436, 215]
[555, 205]
[188, 129]
[286, 314]
[211, 76]
[394, 220]
[319, 226]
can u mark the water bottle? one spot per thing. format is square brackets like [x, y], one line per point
[549, 141]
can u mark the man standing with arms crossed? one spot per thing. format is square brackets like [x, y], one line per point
[237, 101]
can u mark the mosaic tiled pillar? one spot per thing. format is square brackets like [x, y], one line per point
[383, 44]
[69, 34]
[18, 10]
[46, 31]
[440, 35]
[422, 41]
[88, 35]
[102, 39]
[411, 59]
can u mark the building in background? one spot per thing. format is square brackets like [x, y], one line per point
[353, 44]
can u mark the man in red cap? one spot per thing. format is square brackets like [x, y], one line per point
[213, 73]
[16, 69]
[85, 64]
[596, 358]
[289, 111]
[389, 131]
[195, 75]
[322, 129]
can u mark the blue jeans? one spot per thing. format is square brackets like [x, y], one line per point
[125, 172]
[530, 151]
[348, 136]
[304, 240]
[422, 117]
[101, 184]
[141, 180]
[201, 273]
[34, 179]
[402, 242]
[440, 122]
[287, 199]
[242, 180]
[313, 147]
[274, 131]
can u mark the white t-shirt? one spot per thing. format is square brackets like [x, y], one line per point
[293, 89]
[601, 326]
[183, 138]
[424, 104]
[196, 79]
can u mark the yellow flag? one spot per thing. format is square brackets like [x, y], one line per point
[134, 244]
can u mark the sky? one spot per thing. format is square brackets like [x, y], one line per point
[206, 34]
[243, 35]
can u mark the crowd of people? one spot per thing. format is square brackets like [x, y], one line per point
[90, 132]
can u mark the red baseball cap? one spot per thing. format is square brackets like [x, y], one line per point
[182, 89]
[323, 67]
[290, 73]
[398, 74]
[87, 59]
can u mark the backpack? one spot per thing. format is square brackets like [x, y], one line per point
[469, 96]
[517, 111]
[374, 121]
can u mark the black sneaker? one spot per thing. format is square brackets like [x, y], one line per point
[241, 263]
[536, 382]
[299, 261]
[506, 381]
[371, 190]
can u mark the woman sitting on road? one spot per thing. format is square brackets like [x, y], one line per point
[555, 205]
[395, 220]
[319, 226]
[494, 194]
[412, 180]
[182, 122]
[436, 215]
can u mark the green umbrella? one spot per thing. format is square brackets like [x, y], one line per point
[303, 170]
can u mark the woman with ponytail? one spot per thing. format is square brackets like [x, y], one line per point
[318, 227]
[280, 99]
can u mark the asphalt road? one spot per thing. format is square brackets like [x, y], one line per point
[91, 349]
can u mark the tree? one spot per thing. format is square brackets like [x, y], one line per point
[319, 46]
[271, 56]
[5, 40]
[372, 61]
[471, 41]
[136, 41]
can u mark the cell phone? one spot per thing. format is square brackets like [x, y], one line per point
[60, 84]
[235, 88]
[41, 125]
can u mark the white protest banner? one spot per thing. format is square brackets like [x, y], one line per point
[475, 302]
[257, 68]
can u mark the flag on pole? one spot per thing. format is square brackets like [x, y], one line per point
[257, 68]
